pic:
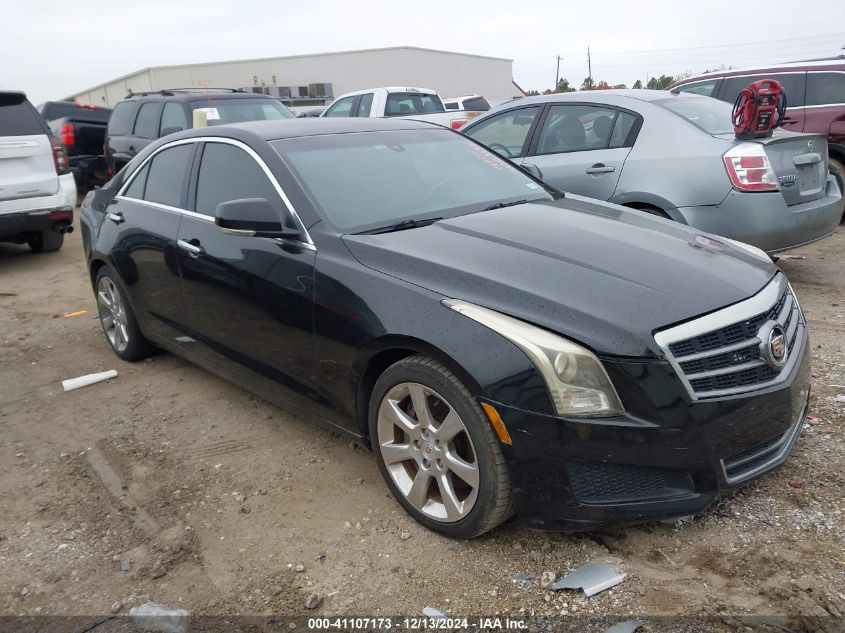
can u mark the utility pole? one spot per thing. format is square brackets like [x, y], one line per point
[589, 70]
[557, 74]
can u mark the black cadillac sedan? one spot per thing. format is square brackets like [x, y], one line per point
[503, 347]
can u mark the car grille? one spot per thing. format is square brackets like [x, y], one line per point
[721, 353]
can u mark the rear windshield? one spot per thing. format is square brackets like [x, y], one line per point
[707, 114]
[53, 110]
[476, 103]
[404, 103]
[18, 117]
[371, 179]
[223, 111]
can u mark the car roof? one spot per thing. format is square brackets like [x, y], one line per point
[610, 97]
[178, 94]
[831, 63]
[292, 128]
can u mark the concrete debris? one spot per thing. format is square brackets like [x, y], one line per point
[547, 579]
[116, 606]
[152, 616]
[313, 600]
[125, 565]
[625, 627]
[299, 568]
[591, 577]
[435, 614]
[524, 577]
[89, 379]
[840, 397]
[405, 536]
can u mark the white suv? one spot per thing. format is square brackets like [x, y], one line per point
[37, 191]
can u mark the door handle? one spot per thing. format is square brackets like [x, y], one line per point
[194, 250]
[117, 218]
[600, 168]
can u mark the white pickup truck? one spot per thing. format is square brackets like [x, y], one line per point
[421, 104]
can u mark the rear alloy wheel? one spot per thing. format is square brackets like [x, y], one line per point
[118, 320]
[436, 450]
[46, 241]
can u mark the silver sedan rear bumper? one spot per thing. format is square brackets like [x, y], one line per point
[764, 220]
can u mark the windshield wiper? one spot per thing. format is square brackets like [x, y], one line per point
[402, 226]
[502, 205]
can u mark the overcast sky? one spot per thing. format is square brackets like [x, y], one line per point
[51, 49]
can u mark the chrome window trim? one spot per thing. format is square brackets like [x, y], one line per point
[747, 309]
[307, 241]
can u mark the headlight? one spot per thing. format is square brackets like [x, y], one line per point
[577, 381]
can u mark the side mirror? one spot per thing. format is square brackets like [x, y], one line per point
[533, 170]
[170, 130]
[252, 217]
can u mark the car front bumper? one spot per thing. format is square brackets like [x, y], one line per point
[764, 220]
[667, 457]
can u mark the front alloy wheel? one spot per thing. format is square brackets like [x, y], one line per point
[428, 452]
[437, 451]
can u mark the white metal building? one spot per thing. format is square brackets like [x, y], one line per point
[313, 80]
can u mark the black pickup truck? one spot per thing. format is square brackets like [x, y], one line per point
[81, 129]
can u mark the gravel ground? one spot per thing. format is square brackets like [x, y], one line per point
[171, 485]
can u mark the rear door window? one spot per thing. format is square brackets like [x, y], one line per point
[622, 130]
[792, 84]
[825, 88]
[706, 88]
[365, 104]
[506, 133]
[18, 117]
[405, 103]
[136, 189]
[341, 108]
[229, 173]
[166, 177]
[120, 116]
[173, 116]
[146, 125]
[575, 128]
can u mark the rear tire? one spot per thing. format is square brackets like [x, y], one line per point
[118, 319]
[46, 241]
[445, 466]
[837, 168]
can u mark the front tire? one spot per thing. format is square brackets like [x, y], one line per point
[46, 241]
[118, 320]
[436, 450]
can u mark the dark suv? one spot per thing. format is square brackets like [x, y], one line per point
[815, 92]
[145, 116]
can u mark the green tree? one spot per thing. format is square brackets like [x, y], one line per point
[620, 87]
[660, 83]
[532, 93]
[563, 86]
[638, 85]
[587, 84]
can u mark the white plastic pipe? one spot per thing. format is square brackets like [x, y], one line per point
[83, 381]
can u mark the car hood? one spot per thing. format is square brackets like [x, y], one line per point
[600, 274]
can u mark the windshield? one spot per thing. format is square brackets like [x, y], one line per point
[223, 111]
[710, 115]
[366, 180]
[404, 103]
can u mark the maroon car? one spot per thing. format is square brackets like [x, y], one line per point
[815, 92]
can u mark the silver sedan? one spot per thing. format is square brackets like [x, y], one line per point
[672, 155]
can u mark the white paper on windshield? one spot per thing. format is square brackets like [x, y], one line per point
[210, 113]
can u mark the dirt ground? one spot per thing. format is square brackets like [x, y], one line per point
[171, 485]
